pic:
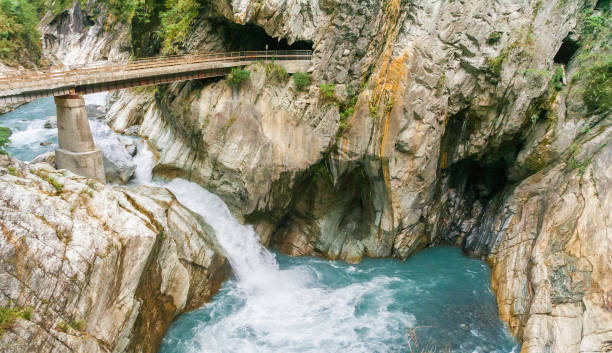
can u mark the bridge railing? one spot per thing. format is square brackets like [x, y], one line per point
[114, 70]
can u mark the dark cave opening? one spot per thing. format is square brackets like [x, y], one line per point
[603, 5]
[251, 37]
[478, 181]
[324, 207]
[475, 189]
[480, 177]
[569, 47]
[472, 187]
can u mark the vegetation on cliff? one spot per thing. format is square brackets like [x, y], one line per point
[4, 138]
[8, 315]
[19, 39]
[301, 80]
[238, 76]
[595, 62]
[166, 24]
[176, 22]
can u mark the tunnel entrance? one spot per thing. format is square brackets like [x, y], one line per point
[251, 37]
[567, 51]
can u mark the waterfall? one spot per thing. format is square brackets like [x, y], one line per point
[253, 265]
[279, 309]
[143, 174]
[276, 303]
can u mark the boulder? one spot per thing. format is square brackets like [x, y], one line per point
[97, 269]
[48, 157]
[51, 123]
[129, 144]
[132, 130]
[118, 164]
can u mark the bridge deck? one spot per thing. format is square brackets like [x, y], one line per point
[29, 85]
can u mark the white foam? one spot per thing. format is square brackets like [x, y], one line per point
[285, 310]
[143, 174]
[34, 133]
[282, 310]
[99, 99]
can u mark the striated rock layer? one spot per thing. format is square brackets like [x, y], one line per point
[454, 122]
[99, 269]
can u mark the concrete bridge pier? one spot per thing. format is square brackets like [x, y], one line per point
[76, 151]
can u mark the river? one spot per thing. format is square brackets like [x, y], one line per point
[276, 303]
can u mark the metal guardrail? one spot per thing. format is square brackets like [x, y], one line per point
[107, 72]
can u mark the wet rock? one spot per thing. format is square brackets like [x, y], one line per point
[47, 143]
[132, 130]
[118, 164]
[129, 145]
[51, 123]
[48, 157]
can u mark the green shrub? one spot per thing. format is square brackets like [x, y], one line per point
[347, 109]
[597, 93]
[301, 80]
[373, 107]
[327, 91]
[389, 105]
[595, 62]
[176, 22]
[557, 78]
[276, 72]
[593, 24]
[494, 37]
[19, 38]
[238, 76]
[62, 326]
[5, 133]
[77, 325]
[8, 315]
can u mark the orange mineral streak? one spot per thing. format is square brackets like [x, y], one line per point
[391, 89]
[390, 14]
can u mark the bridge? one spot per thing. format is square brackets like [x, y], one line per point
[77, 151]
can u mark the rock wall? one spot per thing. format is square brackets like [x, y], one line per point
[551, 258]
[452, 122]
[78, 36]
[98, 268]
[449, 122]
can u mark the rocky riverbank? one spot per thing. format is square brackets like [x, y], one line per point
[483, 126]
[97, 268]
[445, 123]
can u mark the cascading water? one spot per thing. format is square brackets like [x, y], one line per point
[30, 137]
[280, 304]
[312, 305]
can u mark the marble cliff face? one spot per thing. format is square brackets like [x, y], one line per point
[449, 122]
[99, 268]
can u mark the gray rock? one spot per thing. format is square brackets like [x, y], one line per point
[129, 144]
[132, 130]
[51, 123]
[48, 157]
[118, 164]
[114, 262]
[95, 111]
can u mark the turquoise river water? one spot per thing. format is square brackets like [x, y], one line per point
[276, 303]
[439, 294]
